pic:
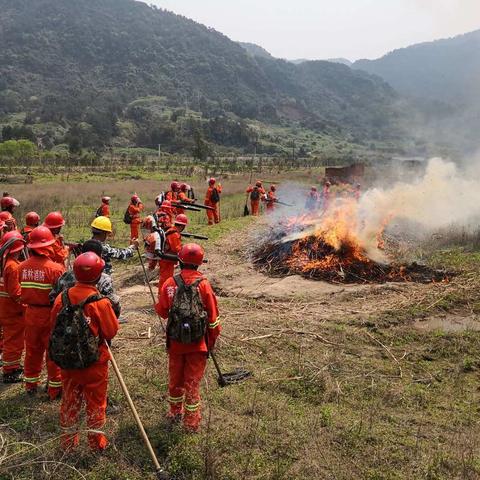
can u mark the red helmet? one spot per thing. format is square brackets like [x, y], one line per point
[181, 220]
[6, 217]
[166, 206]
[273, 188]
[184, 187]
[54, 220]
[106, 199]
[7, 202]
[135, 198]
[175, 186]
[32, 219]
[212, 181]
[88, 267]
[18, 243]
[40, 237]
[191, 254]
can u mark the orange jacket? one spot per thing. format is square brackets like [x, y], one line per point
[182, 196]
[209, 300]
[261, 192]
[271, 199]
[171, 196]
[208, 195]
[103, 321]
[173, 241]
[60, 251]
[10, 290]
[38, 275]
[134, 211]
[105, 210]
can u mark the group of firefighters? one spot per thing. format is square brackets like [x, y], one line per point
[34, 278]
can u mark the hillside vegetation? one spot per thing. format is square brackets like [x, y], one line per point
[119, 72]
[443, 78]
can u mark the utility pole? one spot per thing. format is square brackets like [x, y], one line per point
[293, 150]
[159, 151]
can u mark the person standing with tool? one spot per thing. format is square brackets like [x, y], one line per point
[188, 302]
[212, 199]
[256, 193]
[134, 211]
[85, 381]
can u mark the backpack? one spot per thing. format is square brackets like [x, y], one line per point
[255, 195]
[187, 319]
[99, 212]
[127, 218]
[214, 196]
[72, 343]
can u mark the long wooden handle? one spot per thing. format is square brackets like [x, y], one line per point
[134, 411]
[150, 287]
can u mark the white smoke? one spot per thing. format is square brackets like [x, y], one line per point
[444, 196]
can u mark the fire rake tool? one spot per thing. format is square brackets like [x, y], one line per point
[161, 473]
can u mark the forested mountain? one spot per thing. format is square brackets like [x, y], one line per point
[95, 72]
[443, 79]
[255, 50]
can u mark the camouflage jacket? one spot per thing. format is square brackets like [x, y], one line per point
[116, 253]
[104, 286]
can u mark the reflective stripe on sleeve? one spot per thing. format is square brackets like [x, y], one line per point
[214, 324]
[40, 286]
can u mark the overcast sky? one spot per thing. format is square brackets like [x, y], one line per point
[317, 29]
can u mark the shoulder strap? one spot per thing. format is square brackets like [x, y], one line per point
[179, 280]
[197, 282]
[91, 299]
[65, 298]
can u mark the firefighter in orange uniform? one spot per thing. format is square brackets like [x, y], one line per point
[187, 361]
[172, 195]
[11, 310]
[38, 274]
[173, 244]
[271, 199]
[104, 208]
[8, 204]
[183, 195]
[54, 222]
[256, 193]
[9, 223]
[135, 209]
[87, 384]
[212, 199]
[32, 220]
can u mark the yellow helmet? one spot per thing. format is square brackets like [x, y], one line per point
[102, 223]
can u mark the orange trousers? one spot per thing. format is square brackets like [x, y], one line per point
[134, 230]
[213, 216]
[36, 345]
[89, 385]
[13, 342]
[185, 372]
[255, 204]
[270, 207]
[167, 269]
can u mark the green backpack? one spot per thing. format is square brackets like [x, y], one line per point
[187, 319]
[72, 344]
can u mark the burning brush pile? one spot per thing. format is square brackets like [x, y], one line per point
[335, 246]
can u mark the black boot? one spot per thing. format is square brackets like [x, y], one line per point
[13, 377]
